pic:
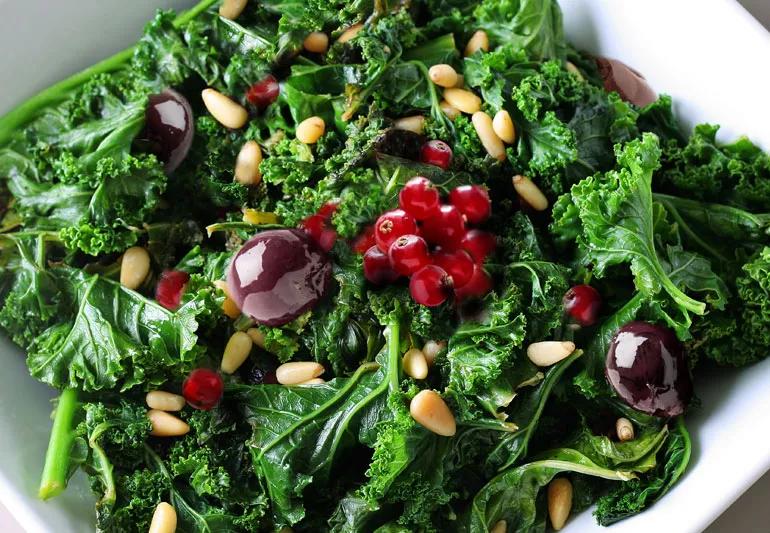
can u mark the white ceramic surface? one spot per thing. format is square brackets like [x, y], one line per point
[704, 53]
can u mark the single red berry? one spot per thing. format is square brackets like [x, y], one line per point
[408, 254]
[377, 267]
[170, 288]
[328, 209]
[472, 201]
[479, 244]
[419, 198]
[478, 286]
[436, 153]
[314, 225]
[392, 225]
[430, 286]
[327, 239]
[203, 388]
[446, 229]
[364, 240]
[458, 264]
[582, 303]
[264, 92]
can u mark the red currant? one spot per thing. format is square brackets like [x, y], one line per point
[328, 209]
[446, 229]
[419, 198]
[377, 267]
[472, 201]
[203, 388]
[479, 285]
[264, 92]
[479, 244]
[364, 240]
[170, 288]
[436, 153]
[392, 225]
[582, 303]
[327, 239]
[314, 225]
[458, 264]
[430, 286]
[408, 254]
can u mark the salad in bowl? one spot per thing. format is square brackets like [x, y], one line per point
[373, 267]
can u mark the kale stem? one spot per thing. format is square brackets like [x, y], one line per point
[57, 458]
[105, 467]
[55, 94]
[394, 353]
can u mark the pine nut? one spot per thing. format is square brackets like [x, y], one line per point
[500, 527]
[478, 41]
[624, 429]
[546, 353]
[231, 9]
[314, 381]
[465, 101]
[236, 352]
[164, 401]
[414, 364]
[316, 42]
[297, 372]
[503, 126]
[492, 143]
[310, 130]
[166, 425]
[350, 33]
[247, 164]
[257, 337]
[229, 307]
[530, 193]
[134, 267]
[414, 124]
[432, 349]
[460, 82]
[163, 519]
[443, 75]
[449, 110]
[430, 411]
[572, 69]
[559, 502]
[227, 112]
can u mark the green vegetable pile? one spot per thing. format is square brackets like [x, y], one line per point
[670, 229]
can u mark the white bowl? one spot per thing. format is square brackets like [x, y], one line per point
[708, 55]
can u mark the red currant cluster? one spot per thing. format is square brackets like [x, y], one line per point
[429, 242]
[318, 227]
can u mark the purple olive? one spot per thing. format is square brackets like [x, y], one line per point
[278, 275]
[627, 82]
[647, 368]
[169, 127]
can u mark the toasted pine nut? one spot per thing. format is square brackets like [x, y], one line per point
[163, 519]
[227, 112]
[530, 193]
[500, 527]
[350, 33]
[236, 352]
[252, 216]
[229, 307]
[231, 9]
[414, 124]
[460, 84]
[492, 143]
[503, 126]
[164, 401]
[414, 364]
[449, 110]
[247, 164]
[430, 411]
[316, 42]
[310, 130]
[465, 101]
[546, 353]
[257, 337]
[559, 502]
[443, 75]
[166, 425]
[478, 41]
[134, 267]
[314, 381]
[572, 69]
[431, 349]
[297, 372]
[624, 429]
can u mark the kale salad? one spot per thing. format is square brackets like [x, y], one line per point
[373, 266]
